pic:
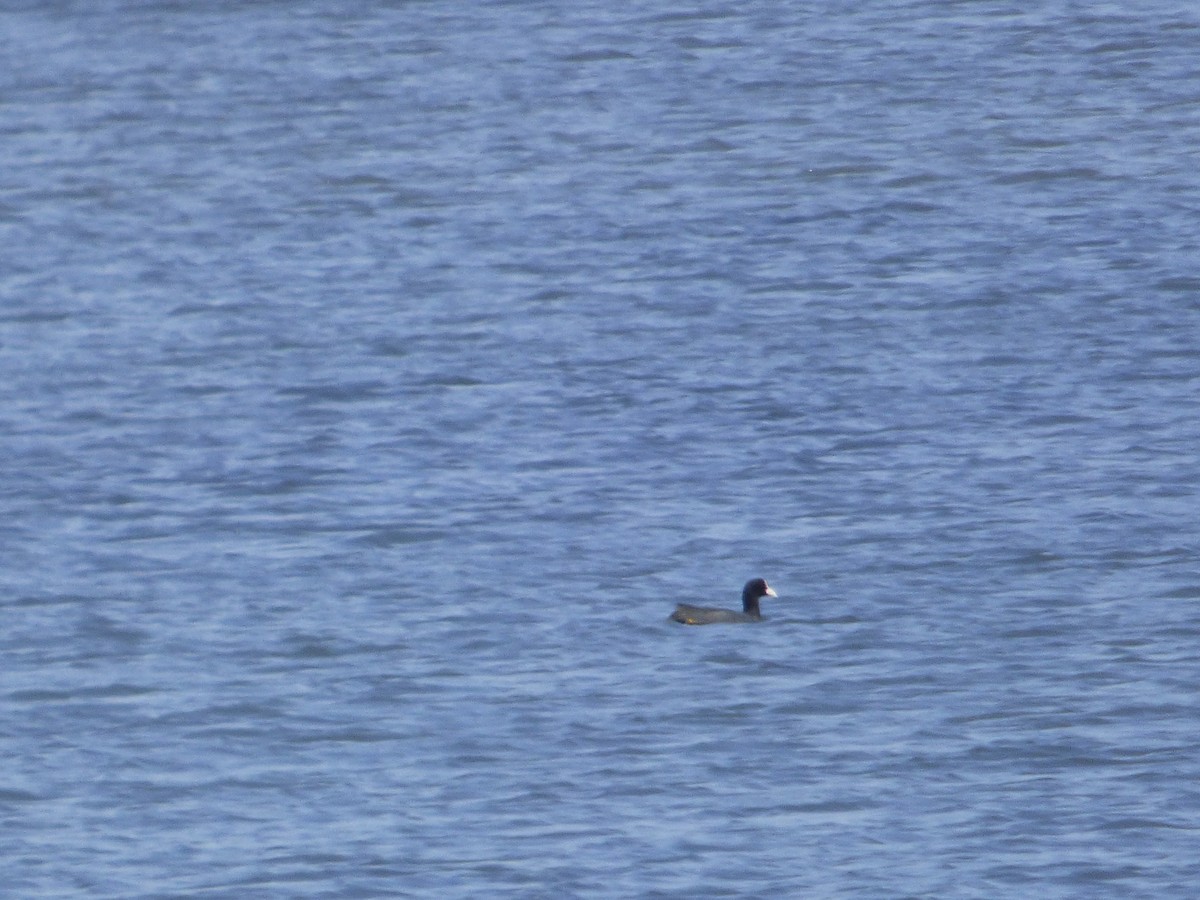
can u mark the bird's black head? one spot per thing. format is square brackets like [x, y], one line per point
[754, 589]
[757, 587]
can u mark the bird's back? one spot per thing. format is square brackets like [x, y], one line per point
[707, 615]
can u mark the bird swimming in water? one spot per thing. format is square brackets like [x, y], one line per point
[706, 615]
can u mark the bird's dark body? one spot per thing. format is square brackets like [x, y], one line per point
[755, 589]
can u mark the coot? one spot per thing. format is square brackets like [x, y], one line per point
[707, 615]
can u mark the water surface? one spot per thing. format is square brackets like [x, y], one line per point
[376, 381]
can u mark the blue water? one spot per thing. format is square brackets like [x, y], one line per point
[377, 377]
